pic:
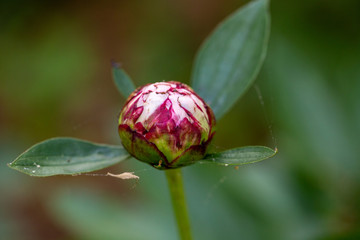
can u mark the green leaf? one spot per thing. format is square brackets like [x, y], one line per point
[67, 156]
[122, 80]
[240, 156]
[230, 58]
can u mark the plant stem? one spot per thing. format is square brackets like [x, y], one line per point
[175, 183]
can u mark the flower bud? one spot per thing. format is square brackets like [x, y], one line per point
[166, 124]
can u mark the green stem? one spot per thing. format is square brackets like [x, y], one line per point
[174, 178]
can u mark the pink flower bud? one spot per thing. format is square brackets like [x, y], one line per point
[166, 124]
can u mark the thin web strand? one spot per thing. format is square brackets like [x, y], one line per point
[266, 116]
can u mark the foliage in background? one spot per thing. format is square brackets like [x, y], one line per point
[242, 38]
[310, 86]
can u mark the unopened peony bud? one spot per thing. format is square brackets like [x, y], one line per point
[166, 124]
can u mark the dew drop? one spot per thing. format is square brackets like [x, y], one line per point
[226, 164]
[38, 166]
[33, 171]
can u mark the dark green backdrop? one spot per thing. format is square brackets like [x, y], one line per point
[55, 80]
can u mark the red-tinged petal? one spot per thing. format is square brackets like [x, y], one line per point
[170, 117]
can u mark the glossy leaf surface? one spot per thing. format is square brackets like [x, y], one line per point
[58, 156]
[230, 58]
[240, 156]
[122, 81]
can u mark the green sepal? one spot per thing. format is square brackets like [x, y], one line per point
[190, 156]
[141, 149]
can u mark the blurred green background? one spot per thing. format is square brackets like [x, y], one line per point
[55, 80]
